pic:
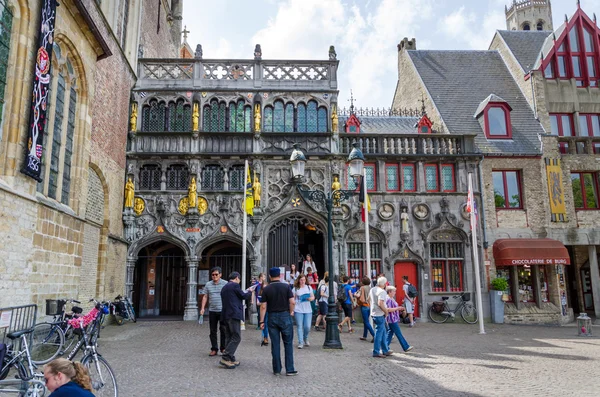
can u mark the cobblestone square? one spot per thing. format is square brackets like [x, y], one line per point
[171, 359]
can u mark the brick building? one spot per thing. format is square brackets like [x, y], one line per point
[59, 237]
[533, 101]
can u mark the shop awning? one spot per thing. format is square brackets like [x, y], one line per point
[530, 251]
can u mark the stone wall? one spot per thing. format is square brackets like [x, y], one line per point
[155, 35]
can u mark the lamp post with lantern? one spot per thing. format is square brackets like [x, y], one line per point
[356, 161]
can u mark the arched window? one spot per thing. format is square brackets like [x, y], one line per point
[278, 117]
[322, 122]
[178, 177]
[236, 177]
[289, 117]
[180, 116]
[215, 116]
[302, 117]
[268, 119]
[150, 176]
[240, 117]
[540, 25]
[153, 116]
[5, 42]
[526, 26]
[311, 116]
[212, 177]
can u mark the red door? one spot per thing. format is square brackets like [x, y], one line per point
[406, 269]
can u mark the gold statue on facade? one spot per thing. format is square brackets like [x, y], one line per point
[202, 205]
[256, 191]
[334, 120]
[133, 118]
[192, 196]
[196, 117]
[336, 185]
[138, 206]
[129, 193]
[183, 206]
[257, 117]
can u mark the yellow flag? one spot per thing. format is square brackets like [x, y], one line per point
[249, 195]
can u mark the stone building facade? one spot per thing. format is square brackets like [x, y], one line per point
[60, 238]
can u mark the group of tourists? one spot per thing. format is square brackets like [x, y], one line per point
[296, 295]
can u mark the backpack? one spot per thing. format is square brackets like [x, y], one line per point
[412, 291]
[341, 295]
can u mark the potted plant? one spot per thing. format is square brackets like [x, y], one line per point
[497, 288]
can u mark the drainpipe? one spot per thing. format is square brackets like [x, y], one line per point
[535, 113]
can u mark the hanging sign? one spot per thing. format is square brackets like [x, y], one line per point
[41, 89]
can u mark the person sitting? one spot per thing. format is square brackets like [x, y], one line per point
[65, 378]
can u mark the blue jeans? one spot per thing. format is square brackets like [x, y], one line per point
[303, 323]
[366, 313]
[380, 343]
[395, 330]
[281, 325]
[265, 331]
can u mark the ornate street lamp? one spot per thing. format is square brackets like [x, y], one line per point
[356, 162]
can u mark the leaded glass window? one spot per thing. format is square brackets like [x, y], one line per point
[289, 118]
[57, 136]
[236, 178]
[431, 178]
[446, 266]
[370, 171]
[391, 173]
[178, 177]
[268, 119]
[180, 116]
[239, 117]
[66, 185]
[408, 178]
[212, 177]
[311, 116]
[153, 116]
[5, 33]
[448, 178]
[278, 117]
[301, 117]
[215, 116]
[322, 122]
[350, 181]
[150, 176]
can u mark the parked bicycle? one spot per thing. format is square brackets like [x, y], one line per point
[440, 311]
[18, 373]
[122, 309]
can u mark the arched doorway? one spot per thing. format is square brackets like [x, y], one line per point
[227, 255]
[160, 279]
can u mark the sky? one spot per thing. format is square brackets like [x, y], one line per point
[365, 33]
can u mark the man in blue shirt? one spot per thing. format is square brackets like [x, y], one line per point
[347, 305]
[232, 298]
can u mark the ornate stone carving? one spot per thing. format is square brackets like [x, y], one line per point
[386, 211]
[138, 206]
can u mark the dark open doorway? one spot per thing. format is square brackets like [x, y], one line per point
[310, 241]
[226, 255]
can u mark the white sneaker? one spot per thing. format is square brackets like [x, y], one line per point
[306, 343]
[300, 346]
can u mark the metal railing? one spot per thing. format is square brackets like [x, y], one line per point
[16, 318]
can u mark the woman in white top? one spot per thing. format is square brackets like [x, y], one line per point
[293, 274]
[323, 294]
[308, 263]
[303, 295]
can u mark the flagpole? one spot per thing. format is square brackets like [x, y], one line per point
[366, 209]
[473, 219]
[245, 226]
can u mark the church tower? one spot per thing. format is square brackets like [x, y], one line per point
[529, 15]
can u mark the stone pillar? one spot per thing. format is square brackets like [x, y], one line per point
[191, 306]
[129, 278]
[595, 279]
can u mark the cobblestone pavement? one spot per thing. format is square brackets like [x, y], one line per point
[171, 359]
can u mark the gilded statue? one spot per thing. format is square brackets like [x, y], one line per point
[336, 185]
[195, 117]
[256, 191]
[129, 193]
[202, 205]
[334, 120]
[138, 206]
[183, 206]
[133, 118]
[192, 196]
[257, 117]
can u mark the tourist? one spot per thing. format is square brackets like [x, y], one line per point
[393, 319]
[308, 263]
[347, 305]
[312, 278]
[212, 293]
[262, 283]
[409, 303]
[362, 297]
[323, 296]
[278, 301]
[66, 378]
[303, 296]
[379, 310]
[232, 315]
[293, 274]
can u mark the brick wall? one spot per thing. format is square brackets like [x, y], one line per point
[155, 33]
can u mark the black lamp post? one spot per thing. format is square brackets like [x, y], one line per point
[356, 161]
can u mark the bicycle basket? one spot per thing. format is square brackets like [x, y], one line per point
[438, 307]
[466, 297]
[54, 306]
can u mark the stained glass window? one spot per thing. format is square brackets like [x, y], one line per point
[180, 116]
[156, 116]
[177, 177]
[431, 178]
[57, 136]
[289, 118]
[301, 117]
[408, 178]
[236, 178]
[322, 122]
[66, 185]
[448, 178]
[278, 117]
[247, 118]
[215, 116]
[392, 183]
[150, 176]
[239, 117]
[268, 119]
[311, 116]
[5, 33]
[212, 177]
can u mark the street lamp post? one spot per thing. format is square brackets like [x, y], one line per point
[334, 198]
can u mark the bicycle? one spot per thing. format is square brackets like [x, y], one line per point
[17, 371]
[51, 339]
[440, 312]
[122, 309]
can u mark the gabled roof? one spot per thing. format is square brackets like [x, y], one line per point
[491, 98]
[525, 45]
[458, 81]
[383, 124]
[548, 45]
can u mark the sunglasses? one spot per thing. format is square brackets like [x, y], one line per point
[215, 274]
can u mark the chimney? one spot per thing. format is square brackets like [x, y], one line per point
[407, 44]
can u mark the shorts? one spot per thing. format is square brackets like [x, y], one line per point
[347, 309]
[323, 308]
[409, 307]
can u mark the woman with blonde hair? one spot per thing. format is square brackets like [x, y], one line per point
[65, 378]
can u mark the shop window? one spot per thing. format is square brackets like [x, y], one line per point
[236, 177]
[392, 183]
[562, 125]
[585, 190]
[526, 289]
[357, 261]
[504, 272]
[507, 189]
[212, 177]
[589, 125]
[542, 273]
[150, 176]
[409, 183]
[447, 260]
[177, 177]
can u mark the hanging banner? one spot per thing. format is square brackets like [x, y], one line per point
[41, 88]
[556, 192]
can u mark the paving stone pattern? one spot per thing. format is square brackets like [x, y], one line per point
[171, 359]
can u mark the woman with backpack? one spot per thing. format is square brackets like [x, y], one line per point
[362, 297]
[410, 293]
[345, 298]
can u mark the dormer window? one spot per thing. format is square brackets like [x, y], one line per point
[496, 117]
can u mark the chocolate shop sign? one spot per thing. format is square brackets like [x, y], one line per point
[539, 261]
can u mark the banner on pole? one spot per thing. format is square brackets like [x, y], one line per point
[249, 200]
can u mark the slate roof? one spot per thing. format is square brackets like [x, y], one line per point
[458, 81]
[492, 98]
[525, 45]
[383, 124]
[549, 44]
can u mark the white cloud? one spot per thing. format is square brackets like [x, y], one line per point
[471, 28]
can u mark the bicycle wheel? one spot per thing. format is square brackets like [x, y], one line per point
[437, 317]
[131, 312]
[469, 313]
[103, 378]
[13, 380]
[47, 343]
